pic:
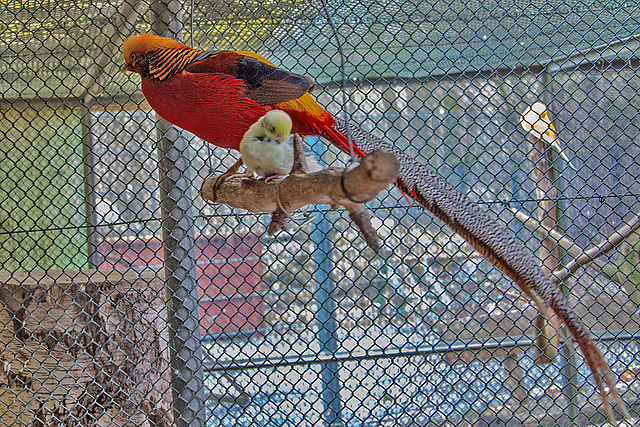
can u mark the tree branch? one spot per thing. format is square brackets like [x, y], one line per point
[602, 248]
[552, 235]
[280, 197]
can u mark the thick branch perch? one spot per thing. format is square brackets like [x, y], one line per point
[547, 193]
[280, 197]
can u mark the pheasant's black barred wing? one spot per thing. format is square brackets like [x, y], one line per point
[495, 242]
[264, 83]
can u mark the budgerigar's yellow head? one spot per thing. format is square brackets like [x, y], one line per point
[536, 122]
[277, 124]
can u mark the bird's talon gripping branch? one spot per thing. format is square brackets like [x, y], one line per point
[232, 171]
[279, 217]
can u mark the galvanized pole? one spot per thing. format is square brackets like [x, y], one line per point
[90, 203]
[179, 251]
[180, 277]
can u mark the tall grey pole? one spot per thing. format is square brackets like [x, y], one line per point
[89, 161]
[179, 251]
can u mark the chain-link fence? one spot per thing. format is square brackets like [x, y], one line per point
[129, 300]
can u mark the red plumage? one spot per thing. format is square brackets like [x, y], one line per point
[211, 106]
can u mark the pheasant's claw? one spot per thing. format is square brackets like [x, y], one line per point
[232, 171]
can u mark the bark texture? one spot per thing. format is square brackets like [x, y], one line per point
[332, 186]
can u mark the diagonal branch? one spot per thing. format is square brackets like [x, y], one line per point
[109, 41]
[554, 236]
[602, 248]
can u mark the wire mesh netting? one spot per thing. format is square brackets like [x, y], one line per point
[127, 299]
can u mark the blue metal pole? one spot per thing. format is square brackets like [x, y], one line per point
[325, 316]
[328, 325]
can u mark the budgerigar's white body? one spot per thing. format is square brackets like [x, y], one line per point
[267, 147]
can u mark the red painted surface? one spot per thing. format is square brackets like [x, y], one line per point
[229, 272]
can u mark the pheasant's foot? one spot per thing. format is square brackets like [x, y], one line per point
[232, 171]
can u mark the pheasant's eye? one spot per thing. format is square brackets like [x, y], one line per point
[133, 56]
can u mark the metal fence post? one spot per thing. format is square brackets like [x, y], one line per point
[568, 360]
[326, 310]
[180, 277]
[89, 161]
[328, 324]
[179, 252]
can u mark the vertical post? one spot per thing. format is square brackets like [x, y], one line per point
[547, 193]
[568, 359]
[179, 251]
[89, 183]
[328, 325]
[325, 316]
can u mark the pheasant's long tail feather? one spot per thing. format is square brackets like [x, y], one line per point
[496, 243]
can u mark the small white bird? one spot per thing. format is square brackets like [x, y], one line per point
[267, 147]
[535, 120]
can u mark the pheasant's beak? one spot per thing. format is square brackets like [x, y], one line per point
[126, 67]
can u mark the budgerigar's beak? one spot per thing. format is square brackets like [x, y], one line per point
[283, 135]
